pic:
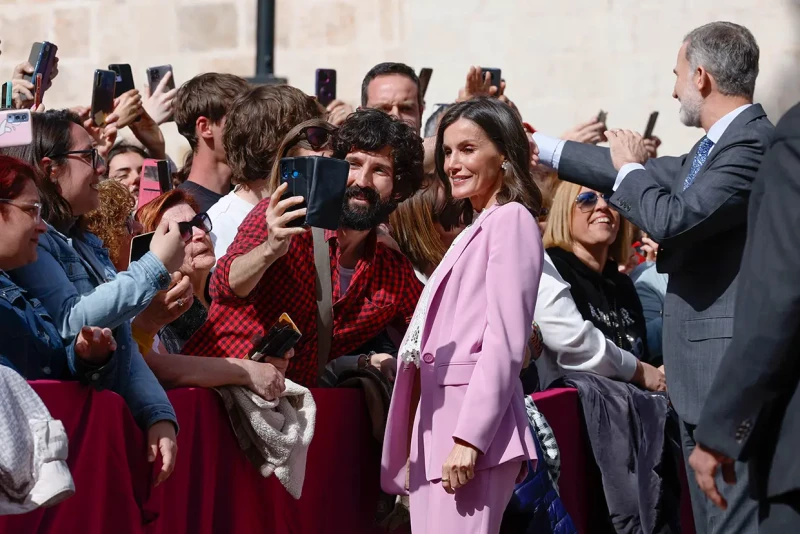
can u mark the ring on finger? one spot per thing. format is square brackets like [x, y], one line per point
[180, 302]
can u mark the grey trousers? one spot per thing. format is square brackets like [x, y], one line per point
[741, 517]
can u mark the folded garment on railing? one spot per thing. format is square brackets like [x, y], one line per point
[274, 435]
[33, 450]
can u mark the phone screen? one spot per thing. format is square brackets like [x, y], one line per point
[140, 245]
[103, 95]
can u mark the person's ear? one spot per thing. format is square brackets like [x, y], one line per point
[703, 80]
[46, 166]
[203, 128]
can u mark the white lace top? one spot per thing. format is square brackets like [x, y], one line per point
[412, 343]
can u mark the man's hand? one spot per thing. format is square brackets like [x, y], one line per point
[264, 379]
[386, 364]
[652, 144]
[95, 345]
[338, 111]
[705, 464]
[159, 104]
[626, 147]
[477, 84]
[279, 236]
[459, 468]
[649, 378]
[161, 439]
[590, 132]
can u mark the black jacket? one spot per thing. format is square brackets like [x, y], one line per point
[608, 299]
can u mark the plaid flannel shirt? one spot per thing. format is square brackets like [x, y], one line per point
[383, 292]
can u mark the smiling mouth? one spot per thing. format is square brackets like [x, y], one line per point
[460, 179]
[602, 220]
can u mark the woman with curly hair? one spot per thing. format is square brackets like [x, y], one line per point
[113, 223]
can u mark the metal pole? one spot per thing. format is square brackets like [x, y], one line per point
[265, 45]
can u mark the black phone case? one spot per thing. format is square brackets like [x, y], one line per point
[496, 76]
[279, 339]
[651, 125]
[322, 183]
[124, 80]
[103, 94]
[326, 86]
[164, 178]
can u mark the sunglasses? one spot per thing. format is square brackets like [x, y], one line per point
[201, 221]
[587, 200]
[317, 136]
[95, 157]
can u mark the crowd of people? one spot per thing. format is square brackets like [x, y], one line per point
[476, 261]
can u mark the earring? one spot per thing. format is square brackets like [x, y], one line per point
[504, 166]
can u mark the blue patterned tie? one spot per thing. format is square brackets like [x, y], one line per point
[699, 159]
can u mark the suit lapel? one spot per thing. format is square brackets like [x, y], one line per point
[449, 262]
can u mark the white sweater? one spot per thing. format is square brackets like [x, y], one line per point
[570, 342]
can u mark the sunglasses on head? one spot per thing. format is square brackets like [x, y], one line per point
[317, 136]
[201, 221]
[587, 200]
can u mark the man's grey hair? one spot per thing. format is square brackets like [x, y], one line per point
[729, 53]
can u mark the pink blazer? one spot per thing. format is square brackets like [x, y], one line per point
[473, 344]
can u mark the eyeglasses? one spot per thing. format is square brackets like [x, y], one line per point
[96, 158]
[317, 136]
[587, 200]
[201, 221]
[34, 209]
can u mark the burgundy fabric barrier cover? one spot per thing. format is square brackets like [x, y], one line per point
[214, 488]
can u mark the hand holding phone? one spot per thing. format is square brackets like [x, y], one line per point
[601, 116]
[321, 182]
[281, 338]
[495, 77]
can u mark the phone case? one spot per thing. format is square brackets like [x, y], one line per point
[326, 86]
[33, 59]
[124, 81]
[47, 60]
[495, 74]
[149, 185]
[38, 91]
[140, 245]
[15, 128]
[651, 124]
[322, 183]
[9, 96]
[279, 340]
[103, 95]
[154, 75]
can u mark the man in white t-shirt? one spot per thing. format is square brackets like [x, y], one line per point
[254, 130]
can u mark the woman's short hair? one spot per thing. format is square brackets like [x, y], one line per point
[14, 175]
[293, 139]
[51, 136]
[257, 123]
[109, 221]
[413, 224]
[151, 213]
[559, 224]
[503, 126]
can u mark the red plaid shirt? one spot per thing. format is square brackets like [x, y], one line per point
[383, 292]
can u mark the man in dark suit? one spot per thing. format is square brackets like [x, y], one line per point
[695, 206]
[752, 412]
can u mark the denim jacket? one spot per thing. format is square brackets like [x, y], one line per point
[31, 343]
[77, 284]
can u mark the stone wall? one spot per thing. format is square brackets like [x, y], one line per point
[563, 61]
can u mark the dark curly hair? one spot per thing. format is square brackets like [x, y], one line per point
[371, 130]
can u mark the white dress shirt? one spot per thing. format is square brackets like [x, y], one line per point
[550, 148]
[570, 342]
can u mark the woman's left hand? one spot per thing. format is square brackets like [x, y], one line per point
[95, 345]
[161, 439]
[459, 468]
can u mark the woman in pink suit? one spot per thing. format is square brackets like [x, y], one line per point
[463, 353]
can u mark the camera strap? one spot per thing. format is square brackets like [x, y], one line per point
[322, 264]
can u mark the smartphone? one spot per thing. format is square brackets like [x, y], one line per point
[140, 245]
[651, 124]
[103, 95]
[326, 86]
[154, 180]
[4, 96]
[15, 128]
[279, 340]
[322, 183]
[43, 59]
[601, 116]
[8, 95]
[33, 59]
[155, 74]
[124, 82]
[495, 73]
[424, 80]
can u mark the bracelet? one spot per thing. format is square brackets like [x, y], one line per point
[365, 360]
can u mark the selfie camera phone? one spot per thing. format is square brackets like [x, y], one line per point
[140, 245]
[326, 86]
[279, 340]
[124, 80]
[322, 183]
[103, 95]
[154, 180]
[651, 124]
[495, 74]
[424, 80]
[15, 128]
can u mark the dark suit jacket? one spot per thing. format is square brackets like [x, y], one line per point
[753, 409]
[702, 233]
